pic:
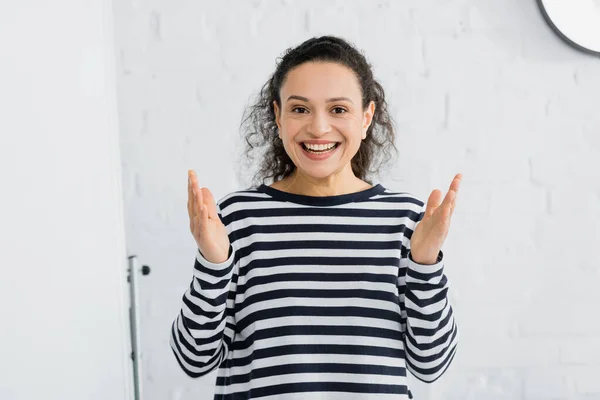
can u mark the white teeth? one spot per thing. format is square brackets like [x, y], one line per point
[320, 146]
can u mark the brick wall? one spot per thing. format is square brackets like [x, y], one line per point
[481, 87]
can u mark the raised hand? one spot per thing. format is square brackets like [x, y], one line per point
[206, 227]
[430, 234]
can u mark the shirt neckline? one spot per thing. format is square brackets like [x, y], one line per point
[321, 200]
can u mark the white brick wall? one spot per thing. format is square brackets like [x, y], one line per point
[481, 87]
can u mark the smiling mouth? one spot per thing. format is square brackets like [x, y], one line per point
[320, 151]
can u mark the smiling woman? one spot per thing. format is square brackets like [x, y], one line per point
[320, 285]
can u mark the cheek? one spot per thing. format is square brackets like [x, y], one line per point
[351, 130]
[292, 125]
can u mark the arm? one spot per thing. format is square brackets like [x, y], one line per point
[431, 332]
[203, 331]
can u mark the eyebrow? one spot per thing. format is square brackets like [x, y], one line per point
[292, 97]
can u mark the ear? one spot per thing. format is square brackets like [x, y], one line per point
[368, 118]
[276, 111]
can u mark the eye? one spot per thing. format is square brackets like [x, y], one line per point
[298, 108]
[340, 108]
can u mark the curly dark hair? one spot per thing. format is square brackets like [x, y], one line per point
[260, 131]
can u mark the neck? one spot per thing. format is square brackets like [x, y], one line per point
[308, 186]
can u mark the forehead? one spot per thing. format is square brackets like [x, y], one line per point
[319, 80]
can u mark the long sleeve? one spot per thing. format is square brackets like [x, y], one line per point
[431, 332]
[203, 330]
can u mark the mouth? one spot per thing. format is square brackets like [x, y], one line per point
[335, 146]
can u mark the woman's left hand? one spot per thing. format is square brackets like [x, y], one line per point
[429, 235]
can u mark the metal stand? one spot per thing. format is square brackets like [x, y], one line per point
[136, 354]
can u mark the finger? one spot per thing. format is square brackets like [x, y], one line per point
[451, 202]
[193, 207]
[190, 201]
[449, 206]
[197, 197]
[210, 204]
[455, 184]
[433, 202]
[200, 200]
[454, 188]
[448, 203]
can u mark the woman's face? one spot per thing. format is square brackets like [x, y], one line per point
[322, 103]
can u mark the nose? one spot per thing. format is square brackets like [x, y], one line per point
[319, 125]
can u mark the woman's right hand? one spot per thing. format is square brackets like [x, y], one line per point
[206, 226]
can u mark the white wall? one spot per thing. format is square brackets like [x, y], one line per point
[63, 333]
[481, 87]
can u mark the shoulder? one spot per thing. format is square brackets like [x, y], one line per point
[409, 206]
[232, 200]
[401, 196]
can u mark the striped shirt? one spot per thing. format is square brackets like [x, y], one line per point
[319, 298]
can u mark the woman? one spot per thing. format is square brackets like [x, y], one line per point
[320, 285]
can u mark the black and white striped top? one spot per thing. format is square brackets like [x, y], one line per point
[319, 299]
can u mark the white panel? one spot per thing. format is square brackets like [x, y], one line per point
[62, 247]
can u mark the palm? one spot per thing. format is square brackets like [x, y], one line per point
[429, 235]
[206, 226]
[212, 234]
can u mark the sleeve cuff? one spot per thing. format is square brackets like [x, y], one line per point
[215, 266]
[426, 268]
